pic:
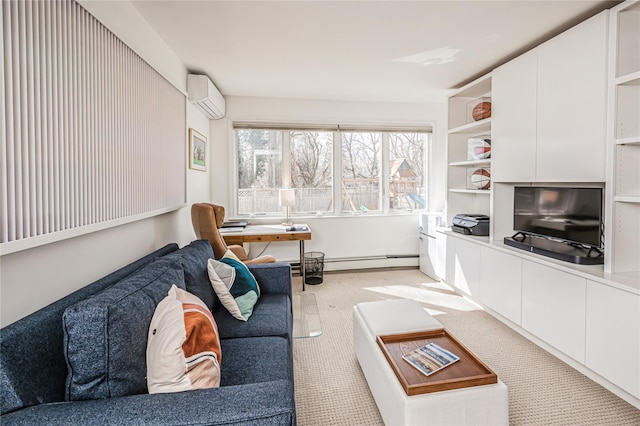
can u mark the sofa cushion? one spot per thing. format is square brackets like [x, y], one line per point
[41, 336]
[183, 349]
[194, 259]
[255, 360]
[104, 335]
[271, 317]
[254, 404]
[234, 285]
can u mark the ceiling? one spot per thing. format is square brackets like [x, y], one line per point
[375, 51]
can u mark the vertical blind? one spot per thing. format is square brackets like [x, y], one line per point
[91, 133]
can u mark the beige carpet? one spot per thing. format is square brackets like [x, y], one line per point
[331, 390]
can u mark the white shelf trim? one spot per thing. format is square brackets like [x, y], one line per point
[471, 191]
[632, 78]
[626, 199]
[486, 162]
[633, 140]
[479, 87]
[476, 126]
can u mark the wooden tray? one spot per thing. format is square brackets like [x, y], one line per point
[466, 372]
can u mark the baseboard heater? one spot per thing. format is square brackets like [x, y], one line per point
[296, 265]
[364, 258]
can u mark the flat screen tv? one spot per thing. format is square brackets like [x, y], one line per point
[572, 215]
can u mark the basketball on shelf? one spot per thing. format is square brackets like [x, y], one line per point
[479, 148]
[481, 111]
[481, 179]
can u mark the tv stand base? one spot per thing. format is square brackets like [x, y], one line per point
[555, 249]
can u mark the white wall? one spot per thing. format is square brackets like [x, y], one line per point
[337, 237]
[33, 278]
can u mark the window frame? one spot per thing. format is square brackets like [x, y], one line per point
[336, 130]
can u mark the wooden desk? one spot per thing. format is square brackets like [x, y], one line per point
[268, 233]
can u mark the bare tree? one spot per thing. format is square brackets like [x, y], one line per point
[361, 154]
[311, 159]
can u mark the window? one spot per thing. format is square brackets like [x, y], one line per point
[361, 164]
[333, 171]
[311, 169]
[259, 170]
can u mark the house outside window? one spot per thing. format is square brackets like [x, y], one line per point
[334, 171]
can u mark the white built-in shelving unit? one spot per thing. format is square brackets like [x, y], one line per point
[462, 197]
[623, 180]
[555, 123]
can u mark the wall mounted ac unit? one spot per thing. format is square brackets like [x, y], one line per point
[205, 96]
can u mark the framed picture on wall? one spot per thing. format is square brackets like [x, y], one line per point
[197, 151]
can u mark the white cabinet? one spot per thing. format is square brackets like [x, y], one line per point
[467, 267]
[550, 109]
[553, 307]
[571, 105]
[500, 282]
[613, 335]
[513, 145]
[593, 324]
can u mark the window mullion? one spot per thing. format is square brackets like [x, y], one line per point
[384, 157]
[286, 159]
[337, 173]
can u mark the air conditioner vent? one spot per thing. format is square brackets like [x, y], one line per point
[205, 96]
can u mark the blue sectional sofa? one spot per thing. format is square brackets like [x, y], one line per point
[256, 385]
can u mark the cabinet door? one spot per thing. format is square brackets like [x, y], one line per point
[450, 260]
[501, 283]
[553, 307]
[572, 104]
[613, 335]
[467, 267]
[513, 127]
[440, 259]
[426, 254]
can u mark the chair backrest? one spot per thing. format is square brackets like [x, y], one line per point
[207, 219]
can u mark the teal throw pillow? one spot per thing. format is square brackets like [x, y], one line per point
[234, 284]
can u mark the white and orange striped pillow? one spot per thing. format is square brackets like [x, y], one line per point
[183, 346]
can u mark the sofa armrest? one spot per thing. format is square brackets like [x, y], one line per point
[267, 403]
[273, 277]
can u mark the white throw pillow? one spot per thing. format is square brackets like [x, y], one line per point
[183, 347]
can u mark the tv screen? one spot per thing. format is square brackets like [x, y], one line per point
[569, 214]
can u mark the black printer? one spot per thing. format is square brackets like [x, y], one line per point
[471, 224]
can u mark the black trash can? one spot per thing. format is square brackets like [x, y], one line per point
[313, 267]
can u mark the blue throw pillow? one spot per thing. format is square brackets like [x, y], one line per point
[105, 336]
[234, 284]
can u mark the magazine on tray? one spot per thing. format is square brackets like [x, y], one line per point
[430, 358]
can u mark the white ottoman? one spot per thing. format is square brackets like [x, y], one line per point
[477, 405]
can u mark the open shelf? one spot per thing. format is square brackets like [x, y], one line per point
[628, 40]
[462, 195]
[623, 215]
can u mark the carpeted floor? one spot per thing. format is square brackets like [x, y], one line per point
[331, 390]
